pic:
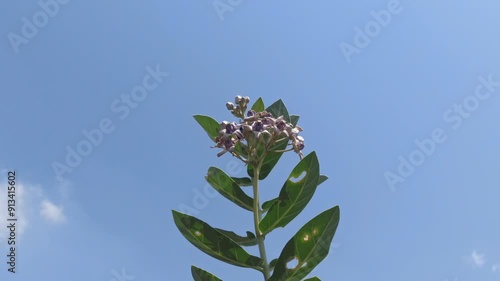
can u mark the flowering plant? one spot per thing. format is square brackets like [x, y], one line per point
[259, 139]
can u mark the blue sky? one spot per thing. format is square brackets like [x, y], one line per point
[426, 72]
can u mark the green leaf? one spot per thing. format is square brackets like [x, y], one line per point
[270, 161]
[294, 119]
[258, 106]
[322, 179]
[277, 109]
[243, 181]
[295, 194]
[272, 264]
[249, 240]
[210, 125]
[312, 279]
[308, 247]
[267, 205]
[214, 243]
[226, 186]
[202, 275]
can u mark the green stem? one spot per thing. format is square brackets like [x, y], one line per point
[257, 216]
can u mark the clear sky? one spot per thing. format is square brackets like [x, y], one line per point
[380, 85]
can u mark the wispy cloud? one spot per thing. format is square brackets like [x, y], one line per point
[476, 259]
[496, 268]
[51, 212]
[31, 202]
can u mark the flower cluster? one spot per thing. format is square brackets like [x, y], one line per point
[256, 128]
[240, 108]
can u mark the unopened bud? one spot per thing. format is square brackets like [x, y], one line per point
[230, 106]
[223, 125]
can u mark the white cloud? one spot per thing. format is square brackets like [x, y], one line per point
[51, 212]
[30, 203]
[476, 259]
[495, 268]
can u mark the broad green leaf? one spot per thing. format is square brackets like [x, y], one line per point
[312, 279]
[267, 205]
[258, 106]
[243, 181]
[202, 275]
[294, 119]
[322, 179]
[249, 240]
[214, 243]
[277, 109]
[295, 194]
[270, 161]
[226, 186]
[210, 125]
[308, 247]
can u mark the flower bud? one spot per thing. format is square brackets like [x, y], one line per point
[246, 128]
[223, 125]
[258, 126]
[238, 99]
[228, 144]
[231, 128]
[239, 135]
[298, 146]
[230, 106]
[281, 125]
[267, 121]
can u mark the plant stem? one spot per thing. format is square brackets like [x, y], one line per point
[257, 216]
